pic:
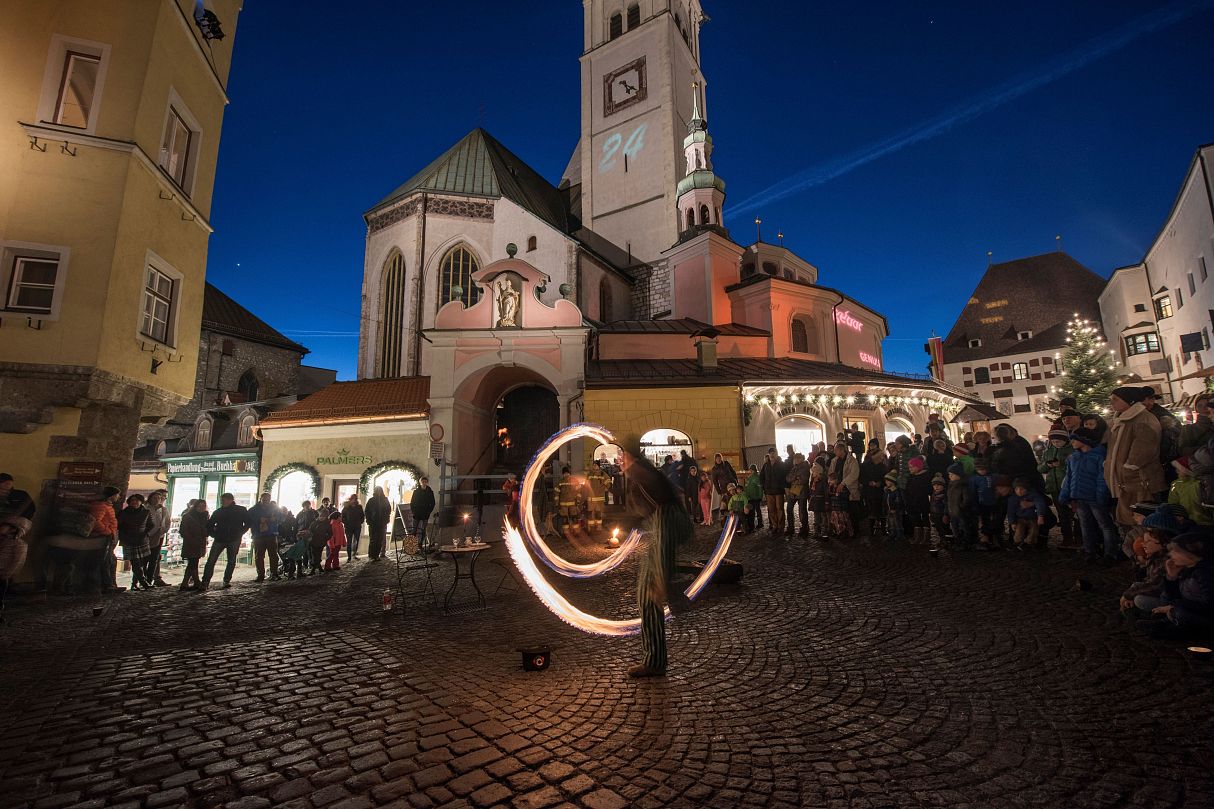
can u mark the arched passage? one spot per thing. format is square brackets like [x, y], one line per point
[515, 399]
[657, 444]
[800, 431]
[895, 427]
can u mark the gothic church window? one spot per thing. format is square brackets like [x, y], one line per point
[617, 25]
[247, 386]
[456, 270]
[634, 16]
[391, 316]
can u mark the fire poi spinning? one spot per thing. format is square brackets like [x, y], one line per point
[668, 525]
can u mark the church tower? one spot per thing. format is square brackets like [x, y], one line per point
[640, 60]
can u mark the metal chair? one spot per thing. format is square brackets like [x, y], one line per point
[412, 566]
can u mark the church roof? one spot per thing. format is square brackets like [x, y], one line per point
[681, 325]
[223, 315]
[480, 166]
[1038, 294]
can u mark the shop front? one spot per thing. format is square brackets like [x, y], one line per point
[207, 476]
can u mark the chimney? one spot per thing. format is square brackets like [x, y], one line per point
[706, 355]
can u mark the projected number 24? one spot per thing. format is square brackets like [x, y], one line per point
[617, 144]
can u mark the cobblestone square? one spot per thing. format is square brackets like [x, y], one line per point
[837, 675]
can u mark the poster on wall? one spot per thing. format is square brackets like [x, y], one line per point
[78, 484]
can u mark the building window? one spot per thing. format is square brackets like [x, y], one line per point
[179, 144]
[982, 376]
[1192, 284]
[531, 244]
[748, 269]
[247, 386]
[634, 16]
[1163, 307]
[800, 340]
[605, 313]
[1140, 307]
[1020, 370]
[244, 435]
[691, 218]
[1201, 267]
[159, 296]
[77, 89]
[771, 269]
[391, 316]
[455, 277]
[1141, 344]
[1023, 408]
[1024, 335]
[617, 25]
[703, 214]
[31, 287]
[202, 433]
[1179, 299]
[975, 343]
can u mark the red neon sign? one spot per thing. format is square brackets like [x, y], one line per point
[848, 320]
[870, 359]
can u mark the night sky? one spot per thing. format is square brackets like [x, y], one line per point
[894, 143]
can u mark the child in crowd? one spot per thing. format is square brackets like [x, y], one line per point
[817, 498]
[840, 520]
[982, 495]
[738, 505]
[895, 505]
[1085, 491]
[1026, 514]
[918, 495]
[960, 507]
[1186, 492]
[1150, 553]
[322, 532]
[940, 458]
[937, 506]
[754, 497]
[1053, 469]
[1186, 608]
[337, 541]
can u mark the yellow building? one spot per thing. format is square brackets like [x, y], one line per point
[111, 121]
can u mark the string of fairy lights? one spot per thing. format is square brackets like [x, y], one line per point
[837, 400]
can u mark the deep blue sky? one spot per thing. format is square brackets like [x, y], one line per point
[334, 106]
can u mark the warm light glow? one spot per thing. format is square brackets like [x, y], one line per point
[547, 594]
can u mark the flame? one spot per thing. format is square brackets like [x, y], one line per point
[546, 593]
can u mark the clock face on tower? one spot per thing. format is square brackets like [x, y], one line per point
[624, 87]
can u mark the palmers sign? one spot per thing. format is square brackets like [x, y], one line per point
[344, 458]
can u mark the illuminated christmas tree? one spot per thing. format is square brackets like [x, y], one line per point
[1087, 366]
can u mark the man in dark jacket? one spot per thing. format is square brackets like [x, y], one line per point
[773, 476]
[228, 524]
[1196, 435]
[264, 518]
[378, 514]
[422, 506]
[14, 502]
[352, 518]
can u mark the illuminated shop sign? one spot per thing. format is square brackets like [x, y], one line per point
[869, 359]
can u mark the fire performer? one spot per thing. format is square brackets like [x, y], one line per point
[652, 496]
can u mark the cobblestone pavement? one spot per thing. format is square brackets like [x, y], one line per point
[837, 675]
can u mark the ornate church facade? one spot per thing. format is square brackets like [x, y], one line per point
[617, 295]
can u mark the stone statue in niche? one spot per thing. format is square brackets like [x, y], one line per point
[507, 299]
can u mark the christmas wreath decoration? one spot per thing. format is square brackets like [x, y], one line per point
[286, 469]
[372, 472]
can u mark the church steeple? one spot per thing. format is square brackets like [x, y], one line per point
[701, 193]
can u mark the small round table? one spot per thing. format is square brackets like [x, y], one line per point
[469, 552]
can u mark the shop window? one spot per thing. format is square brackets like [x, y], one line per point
[982, 376]
[455, 277]
[800, 431]
[1020, 370]
[293, 488]
[1141, 344]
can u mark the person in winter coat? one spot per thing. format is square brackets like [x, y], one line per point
[1196, 435]
[1132, 470]
[13, 551]
[984, 499]
[846, 468]
[906, 451]
[960, 507]
[263, 519]
[1085, 491]
[736, 504]
[722, 474]
[772, 477]
[193, 532]
[304, 521]
[1158, 530]
[1013, 456]
[134, 525]
[754, 495]
[1186, 492]
[983, 448]
[895, 506]
[918, 493]
[940, 458]
[961, 455]
[105, 530]
[1053, 468]
[1027, 514]
[937, 507]
[422, 506]
[872, 485]
[228, 524]
[352, 519]
[698, 490]
[378, 515]
[337, 541]
[160, 529]
[818, 499]
[796, 502]
[1187, 603]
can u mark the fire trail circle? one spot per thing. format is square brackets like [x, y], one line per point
[517, 544]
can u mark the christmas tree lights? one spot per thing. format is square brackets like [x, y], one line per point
[1087, 367]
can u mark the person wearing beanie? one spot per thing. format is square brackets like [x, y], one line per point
[1085, 492]
[1132, 469]
[906, 453]
[962, 456]
[989, 525]
[938, 508]
[1185, 609]
[1185, 491]
[1053, 469]
[960, 507]
[872, 487]
[895, 506]
[13, 501]
[918, 492]
[1027, 514]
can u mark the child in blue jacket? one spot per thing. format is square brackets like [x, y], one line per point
[1085, 491]
[983, 497]
[1026, 514]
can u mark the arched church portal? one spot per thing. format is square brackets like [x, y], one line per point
[525, 418]
[503, 415]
